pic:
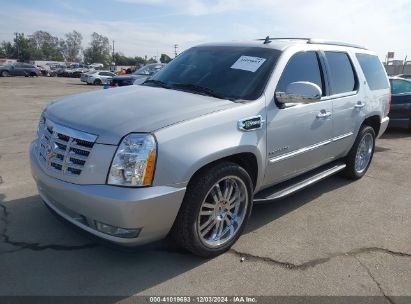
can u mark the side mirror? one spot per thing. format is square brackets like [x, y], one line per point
[300, 92]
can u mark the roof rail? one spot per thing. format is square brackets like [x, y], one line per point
[268, 39]
[331, 42]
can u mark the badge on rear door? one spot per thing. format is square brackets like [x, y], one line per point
[251, 123]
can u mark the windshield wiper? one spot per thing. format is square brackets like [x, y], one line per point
[199, 89]
[157, 82]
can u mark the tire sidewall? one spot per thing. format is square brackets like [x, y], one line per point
[202, 187]
[363, 131]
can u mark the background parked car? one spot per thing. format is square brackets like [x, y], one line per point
[19, 69]
[43, 71]
[96, 65]
[138, 77]
[100, 77]
[400, 112]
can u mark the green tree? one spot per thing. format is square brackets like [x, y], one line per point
[164, 58]
[98, 51]
[8, 50]
[23, 47]
[71, 46]
[151, 60]
[45, 46]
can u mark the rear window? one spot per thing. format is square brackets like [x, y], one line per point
[342, 76]
[373, 71]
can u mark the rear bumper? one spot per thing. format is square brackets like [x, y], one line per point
[383, 126]
[151, 209]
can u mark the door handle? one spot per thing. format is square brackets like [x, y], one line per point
[323, 114]
[359, 105]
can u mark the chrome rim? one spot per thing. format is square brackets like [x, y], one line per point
[222, 211]
[364, 153]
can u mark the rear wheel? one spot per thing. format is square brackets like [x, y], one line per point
[215, 210]
[4, 73]
[359, 158]
[97, 82]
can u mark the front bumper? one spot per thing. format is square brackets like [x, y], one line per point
[151, 209]
[383, 126]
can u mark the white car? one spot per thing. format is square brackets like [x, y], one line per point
[84, 76]
[100, 77]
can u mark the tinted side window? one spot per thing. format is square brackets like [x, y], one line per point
[373, 71]
[342, 76]
[400, 86]
[301, 67]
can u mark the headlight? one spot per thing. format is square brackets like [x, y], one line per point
[133, 164]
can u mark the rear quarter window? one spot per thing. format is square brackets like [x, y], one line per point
[373, 71]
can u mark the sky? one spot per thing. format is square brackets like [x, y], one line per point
[152, 27]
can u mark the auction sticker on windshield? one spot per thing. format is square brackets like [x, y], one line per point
[248, 63]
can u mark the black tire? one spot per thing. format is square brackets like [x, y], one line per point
[33, 74]
[4, 73]
[185, 231]
[97, 82]
[351, 171]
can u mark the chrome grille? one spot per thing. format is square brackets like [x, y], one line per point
[63, 150]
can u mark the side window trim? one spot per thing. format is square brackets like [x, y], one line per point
[327, 68]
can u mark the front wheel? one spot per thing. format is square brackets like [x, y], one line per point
[4, 73]
[215, 210]
[97, 82]
[359, 158]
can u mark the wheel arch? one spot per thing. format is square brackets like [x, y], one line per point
[374, 122]
[246, 160]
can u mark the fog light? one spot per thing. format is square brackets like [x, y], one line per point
[117, 231]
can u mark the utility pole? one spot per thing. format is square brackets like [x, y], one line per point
[112, 61]
[17, 45]
[175, 50]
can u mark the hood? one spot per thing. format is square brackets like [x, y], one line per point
[113, 113]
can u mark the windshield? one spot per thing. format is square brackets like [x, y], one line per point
[231, 72]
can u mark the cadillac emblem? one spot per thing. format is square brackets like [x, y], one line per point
[49, 151]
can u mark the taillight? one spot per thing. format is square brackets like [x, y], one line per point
[387, 109]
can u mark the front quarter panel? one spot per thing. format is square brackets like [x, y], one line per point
[186, 147]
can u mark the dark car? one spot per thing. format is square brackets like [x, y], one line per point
[138, 77]
[400, 112]
[19, 69]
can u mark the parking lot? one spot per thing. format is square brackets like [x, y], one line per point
[338, 237]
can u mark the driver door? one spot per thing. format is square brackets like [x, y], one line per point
[298, 135]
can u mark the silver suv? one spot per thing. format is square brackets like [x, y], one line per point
[221, 127]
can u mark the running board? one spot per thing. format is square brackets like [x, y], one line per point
[289, 187]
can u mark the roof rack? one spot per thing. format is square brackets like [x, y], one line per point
[332, 42]
[268, 40]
